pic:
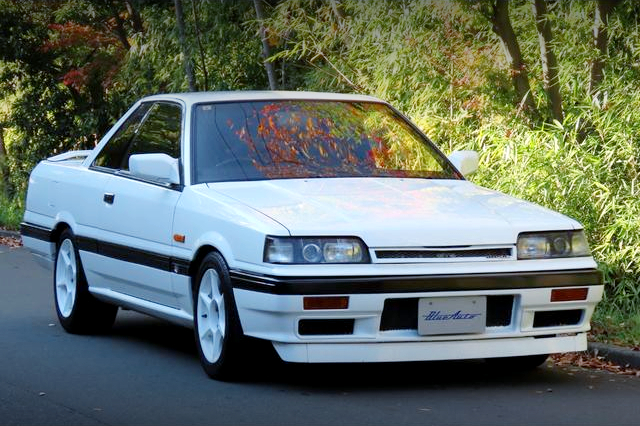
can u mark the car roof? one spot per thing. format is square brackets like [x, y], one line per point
[190, 98]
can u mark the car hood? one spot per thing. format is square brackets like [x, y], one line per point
[395, 212]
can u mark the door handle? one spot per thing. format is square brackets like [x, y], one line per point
[108, 198]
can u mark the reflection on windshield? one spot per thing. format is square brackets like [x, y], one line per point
[309, 139]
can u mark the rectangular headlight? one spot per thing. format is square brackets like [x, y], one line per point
[553, 244]
[310, 250]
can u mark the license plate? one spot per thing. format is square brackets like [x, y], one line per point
[452, 315]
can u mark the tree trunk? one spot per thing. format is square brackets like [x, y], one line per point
[188, 66]
[268, 66]
[548, 59]
[200, 48]
[120, 31]
[136, 21]
[501, 25]
[600, 40]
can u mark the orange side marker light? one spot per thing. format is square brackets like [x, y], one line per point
[569, 294]
[326, 302]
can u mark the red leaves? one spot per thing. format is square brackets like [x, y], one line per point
[96, 52]
[100, 69]
[74, 77]
[72, 34]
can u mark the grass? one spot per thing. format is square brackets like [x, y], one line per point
[11, 211]
[612, 326]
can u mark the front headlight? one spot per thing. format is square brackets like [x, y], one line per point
[551, 245]
[307, 250]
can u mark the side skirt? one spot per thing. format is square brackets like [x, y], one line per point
[176, 316]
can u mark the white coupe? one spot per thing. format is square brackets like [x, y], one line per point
[325, 224]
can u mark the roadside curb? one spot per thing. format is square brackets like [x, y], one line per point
[622, 356]
[10, 234]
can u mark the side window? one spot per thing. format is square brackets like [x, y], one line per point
[159, 133]
[152, 128]
[115, 150]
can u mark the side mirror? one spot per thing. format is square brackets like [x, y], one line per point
[160, 167]
[465, 161]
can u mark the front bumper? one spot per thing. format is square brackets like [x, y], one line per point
[428, 351]
[525, 321]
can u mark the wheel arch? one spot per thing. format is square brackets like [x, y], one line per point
[63, 220]
[57, 231]
[207, 243]
[200, 254]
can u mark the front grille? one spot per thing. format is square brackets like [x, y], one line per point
[322, 327]
[557, 318]
[402, 314]
[492, 253]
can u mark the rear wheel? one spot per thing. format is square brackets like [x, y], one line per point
[218, 333]
[78, 311]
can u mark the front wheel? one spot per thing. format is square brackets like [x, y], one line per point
[217, 329]
[78, 311]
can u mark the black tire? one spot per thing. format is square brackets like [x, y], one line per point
[518, 363]
[78, 311]
[218, 333]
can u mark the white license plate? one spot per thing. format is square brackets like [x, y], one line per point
[452, 315]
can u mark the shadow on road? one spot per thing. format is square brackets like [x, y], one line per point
[134, 327]
[263, 366]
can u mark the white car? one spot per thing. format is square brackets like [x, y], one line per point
[325, 224]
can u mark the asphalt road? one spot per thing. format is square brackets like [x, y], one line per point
[146, 372]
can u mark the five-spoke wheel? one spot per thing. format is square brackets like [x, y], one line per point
[211, 315]
[217, 328]
[78, 311]
[65, 278]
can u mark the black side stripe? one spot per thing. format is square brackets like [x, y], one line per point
[407, 284]
[115, 251]
[133, 255]
[35, 231]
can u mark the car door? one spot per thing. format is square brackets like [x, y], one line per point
[137, 214]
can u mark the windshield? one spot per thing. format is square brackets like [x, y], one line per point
[309, 139]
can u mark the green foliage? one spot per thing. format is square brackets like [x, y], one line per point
[11, 211]
[229, 43]
[616, 327]
[36, 108]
